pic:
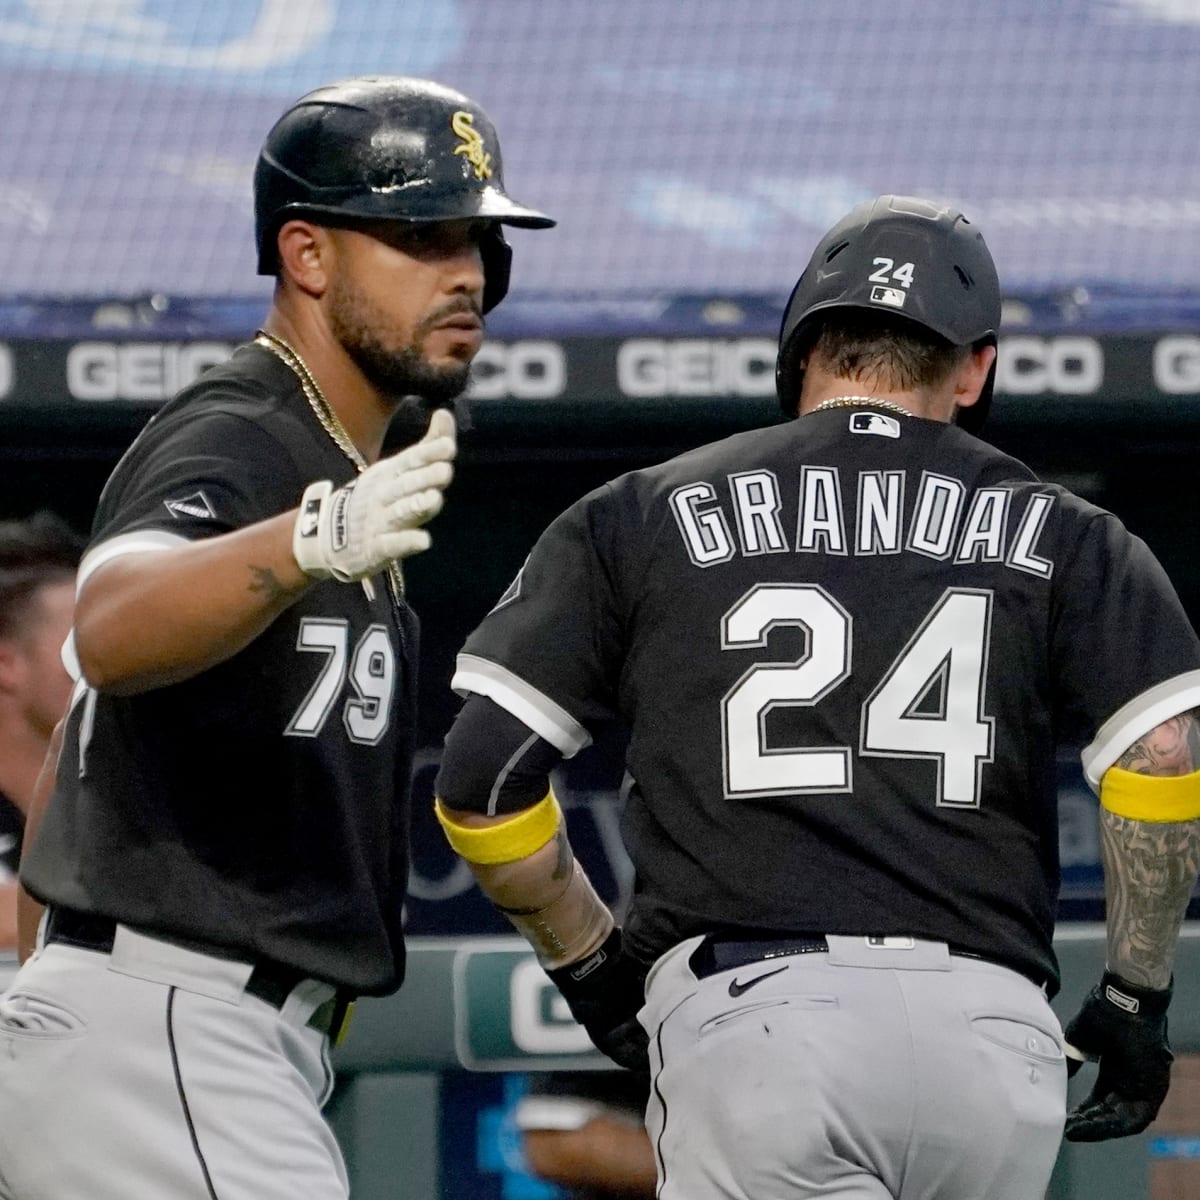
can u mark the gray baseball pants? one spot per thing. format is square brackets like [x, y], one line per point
[149, 1074]
[863, 1073]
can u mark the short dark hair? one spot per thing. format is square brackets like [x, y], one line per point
[859, 343]
[35, 551]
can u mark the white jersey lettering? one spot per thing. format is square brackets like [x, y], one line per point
[937, 528]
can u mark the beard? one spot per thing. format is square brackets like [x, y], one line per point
[400, 372]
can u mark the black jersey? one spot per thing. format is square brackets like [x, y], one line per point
[847, 649]
[262, 805]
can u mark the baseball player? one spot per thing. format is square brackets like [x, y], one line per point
[224, 857]
[846, 648]
[38, 558]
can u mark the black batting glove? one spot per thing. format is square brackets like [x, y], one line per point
[1125, 1028]
[604, 993]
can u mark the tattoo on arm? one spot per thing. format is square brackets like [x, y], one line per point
[1150, 867]
[1149, 873]
[267, 582]
[1172, 748]
[565, 860]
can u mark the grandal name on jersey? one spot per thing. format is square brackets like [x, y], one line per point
[945, 521]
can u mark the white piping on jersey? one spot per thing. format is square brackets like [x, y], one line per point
[506, 771]
[96, 557]
[526, 703]
[70, 659]
[125, 543]
[1135, 719]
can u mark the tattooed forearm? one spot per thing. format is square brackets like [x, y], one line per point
[266, 581]
[565, 862]
[1168, 749]
[1150, 872]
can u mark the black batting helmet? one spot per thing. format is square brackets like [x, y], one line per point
[906, 257]
[387, 148]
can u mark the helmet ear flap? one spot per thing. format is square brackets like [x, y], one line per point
[497, 266]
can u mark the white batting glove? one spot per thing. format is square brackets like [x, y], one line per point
[356, 530]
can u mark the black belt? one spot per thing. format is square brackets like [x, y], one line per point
[717, 953]
[269, 981]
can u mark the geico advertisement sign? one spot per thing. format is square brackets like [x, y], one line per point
[146, 371]
[1177, 365]
[533, 370]
[155, 371]
[1074, 366]
[1065, 366]
[645, 367]
[696, 367]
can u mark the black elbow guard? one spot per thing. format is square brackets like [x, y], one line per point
[492, 762]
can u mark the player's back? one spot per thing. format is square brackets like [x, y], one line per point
[837, 669]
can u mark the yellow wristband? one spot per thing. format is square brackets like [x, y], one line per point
[1158, 798]
[506, 841]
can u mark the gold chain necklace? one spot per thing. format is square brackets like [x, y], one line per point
[331, 423]
[859, 401]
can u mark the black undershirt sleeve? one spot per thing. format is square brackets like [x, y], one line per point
[492, 762]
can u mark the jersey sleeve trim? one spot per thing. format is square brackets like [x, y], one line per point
[125, 543]
[526, 703]
[70, 658]
[1135, 719]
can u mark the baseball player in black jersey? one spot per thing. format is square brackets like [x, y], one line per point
[224, 857]
[846, 648]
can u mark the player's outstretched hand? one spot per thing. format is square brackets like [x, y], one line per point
[356, 530]
[604, 993]
[1125, 1029]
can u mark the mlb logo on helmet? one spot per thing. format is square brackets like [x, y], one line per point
[892, 297]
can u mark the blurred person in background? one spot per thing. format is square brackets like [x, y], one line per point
[584, 1131]
[38, 559]
[224, 856]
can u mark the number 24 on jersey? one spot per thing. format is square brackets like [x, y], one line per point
[949, 651]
